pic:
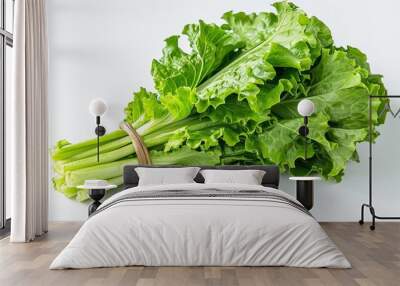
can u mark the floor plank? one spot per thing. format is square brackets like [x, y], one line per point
[375, 257]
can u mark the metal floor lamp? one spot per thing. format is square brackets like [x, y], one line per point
[370, 205]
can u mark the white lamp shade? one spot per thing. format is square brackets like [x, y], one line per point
[97, 107]
[305, 107]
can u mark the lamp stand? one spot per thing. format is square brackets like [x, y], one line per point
[96, 195]
[303, 131]
[100, 131]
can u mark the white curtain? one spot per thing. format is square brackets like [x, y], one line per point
[27, 146]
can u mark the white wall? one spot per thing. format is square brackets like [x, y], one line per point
[103, 48]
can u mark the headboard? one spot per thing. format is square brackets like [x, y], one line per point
[271, 177]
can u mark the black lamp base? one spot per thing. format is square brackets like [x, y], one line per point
[305, 193]
[96, 195]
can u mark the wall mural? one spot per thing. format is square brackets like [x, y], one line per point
[233, 100]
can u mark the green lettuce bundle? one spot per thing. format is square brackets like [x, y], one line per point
[233, 100]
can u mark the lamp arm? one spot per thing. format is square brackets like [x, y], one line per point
[303, 131]
[305, 136]
[305, 147]
[100, 131]
[98, 138]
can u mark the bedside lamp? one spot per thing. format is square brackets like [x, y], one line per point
[305, 184]
[97, 108]
[305, 108]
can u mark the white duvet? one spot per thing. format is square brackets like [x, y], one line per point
[200, 231]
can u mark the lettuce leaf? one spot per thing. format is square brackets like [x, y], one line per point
[340, 90]
[210, 46]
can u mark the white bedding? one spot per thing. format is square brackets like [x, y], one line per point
[200, 231]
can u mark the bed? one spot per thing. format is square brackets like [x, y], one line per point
[197, 224]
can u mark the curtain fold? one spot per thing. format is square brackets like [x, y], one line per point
[28, 144]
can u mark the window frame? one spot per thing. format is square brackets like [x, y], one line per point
[6, 39]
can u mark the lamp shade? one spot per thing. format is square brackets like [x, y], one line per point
[305, 107]
[97, 107]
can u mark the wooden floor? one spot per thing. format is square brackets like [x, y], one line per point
[375, 257]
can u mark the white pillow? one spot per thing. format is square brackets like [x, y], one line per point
[247, 177]
[166, 176]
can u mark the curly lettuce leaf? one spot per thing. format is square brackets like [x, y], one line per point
[340, 89]
[210, 46]
[143, 107]
[149, 112]
[290, 27]
[282, 40]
